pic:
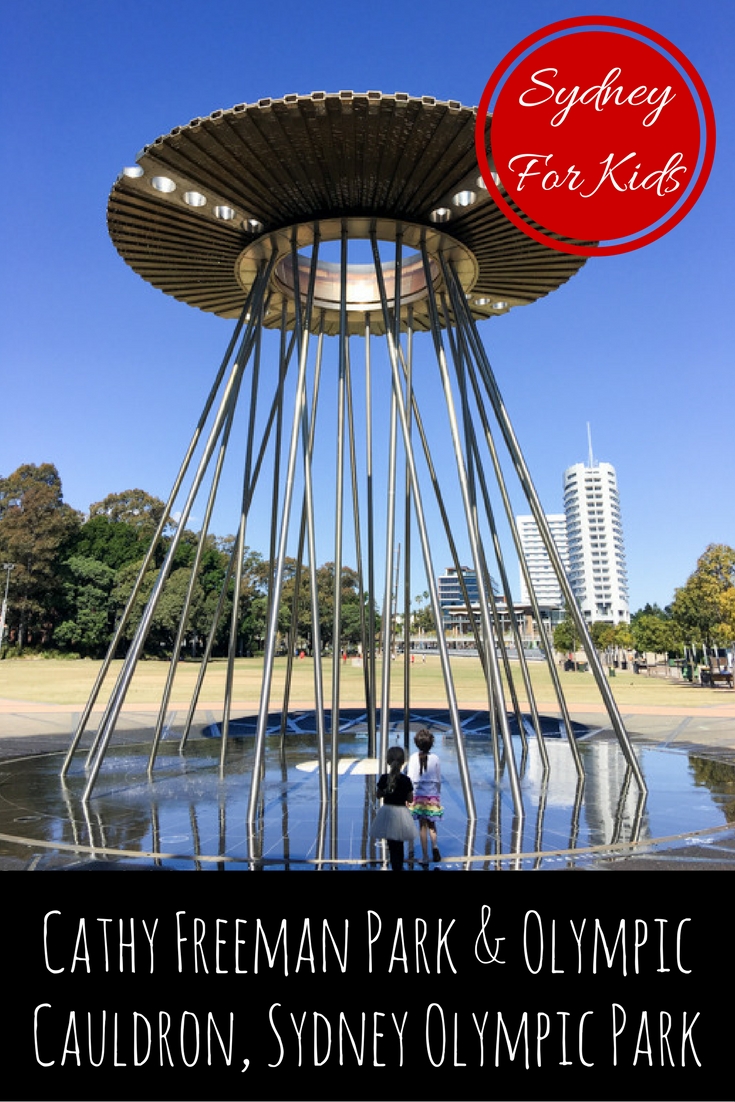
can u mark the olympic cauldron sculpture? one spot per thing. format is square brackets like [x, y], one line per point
[238, 214]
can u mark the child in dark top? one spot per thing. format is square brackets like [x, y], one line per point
[394, 821]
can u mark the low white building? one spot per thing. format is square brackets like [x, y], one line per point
[543, 576]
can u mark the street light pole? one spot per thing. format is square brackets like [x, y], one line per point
[7, 567]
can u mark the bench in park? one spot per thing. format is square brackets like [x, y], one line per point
[718, 674]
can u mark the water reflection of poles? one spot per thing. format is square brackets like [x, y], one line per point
[7, 567]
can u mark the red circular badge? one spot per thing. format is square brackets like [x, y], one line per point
[601, 131]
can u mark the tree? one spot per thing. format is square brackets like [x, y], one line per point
[35, 525]
[566, 636]
[88, 588]
[350, 628]
[423, 619]
[135, 507]
[655, 634]
[205, 596]
[116, 537]
[350, 618]
[112, 541]
[254, 623]
[624, 637]
[704, 608]
[652, 610]
[604, 634]
[167, 614]
[253, 601]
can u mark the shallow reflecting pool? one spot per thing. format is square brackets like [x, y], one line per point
[188, 817]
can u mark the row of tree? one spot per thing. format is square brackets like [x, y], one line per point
[701, 615]
[69, 577]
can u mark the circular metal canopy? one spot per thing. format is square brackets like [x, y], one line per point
[206, 203]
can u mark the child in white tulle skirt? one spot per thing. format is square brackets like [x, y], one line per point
[394, 821]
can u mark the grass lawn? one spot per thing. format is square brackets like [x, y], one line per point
[69, 682]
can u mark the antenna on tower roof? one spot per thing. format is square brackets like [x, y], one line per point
[589, 441]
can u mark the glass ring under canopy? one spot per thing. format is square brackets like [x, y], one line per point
[362, 289]
[362, 286]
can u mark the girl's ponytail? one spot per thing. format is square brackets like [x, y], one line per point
[424, 740]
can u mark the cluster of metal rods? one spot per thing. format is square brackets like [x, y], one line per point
[474, 383]
[496, 837]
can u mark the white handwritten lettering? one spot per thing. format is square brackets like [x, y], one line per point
[598, 94]
[662, 179]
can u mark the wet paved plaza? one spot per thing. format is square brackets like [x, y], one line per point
[188, 817]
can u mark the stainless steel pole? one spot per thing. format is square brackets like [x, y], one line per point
[358, 540]
[551, 550]
[474, 544]
[272, 629]
[510, 516]
[240, 549]
[425, 546]
[307, 436]
[137, 644]
[372, 628]
[173, 666]
[165, 518]
[386, 627]
[306, 517]
[338, 508]
[473, 450]
[276, 406]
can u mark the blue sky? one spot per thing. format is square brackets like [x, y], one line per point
[104, 376]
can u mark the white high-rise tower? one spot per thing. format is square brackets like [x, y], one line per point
[597, 570]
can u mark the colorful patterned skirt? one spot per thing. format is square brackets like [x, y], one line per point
[426, 807]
